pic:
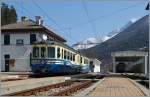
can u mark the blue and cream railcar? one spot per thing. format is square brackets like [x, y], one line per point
[53, 57]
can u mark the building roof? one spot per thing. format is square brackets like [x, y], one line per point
[129, 53]
[28, 26]
[57, 43]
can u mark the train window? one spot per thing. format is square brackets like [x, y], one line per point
[86, 61]
[35, 52]
[43, 52]
[65, 54]
[58, 52]
[68, 55]
[51, 52]
[73, 57]
[80, 59]
[62, 53]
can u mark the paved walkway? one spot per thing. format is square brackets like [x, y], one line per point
[116, 86]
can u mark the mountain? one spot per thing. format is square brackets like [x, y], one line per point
[110, 35]
[91, 42]
[116, 31]
[134, 37]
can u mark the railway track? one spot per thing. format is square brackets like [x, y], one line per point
[61, 89]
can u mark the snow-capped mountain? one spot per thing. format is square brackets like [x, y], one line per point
[116, 31]
[91, 42]
[110, 35]
[88, 43]
[135, 37]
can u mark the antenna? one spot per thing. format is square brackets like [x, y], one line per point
[44, 37]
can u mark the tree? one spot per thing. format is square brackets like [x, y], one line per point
[13, 15]
[8, 15]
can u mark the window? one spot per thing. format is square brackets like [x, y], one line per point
[73, 57]
[86, 61]
[32, 38]
[58, 52]
[35, 52]
[65, 54]
[62, 52]
[68, 55]
[80, 59]
[51, 52]
[19, 41]
[43, 52]
[7, 56]
[6, 39]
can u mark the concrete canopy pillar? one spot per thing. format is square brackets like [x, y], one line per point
[145, 65]
[114, 64]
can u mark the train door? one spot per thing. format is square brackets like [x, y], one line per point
[7, 57]
[92, 66]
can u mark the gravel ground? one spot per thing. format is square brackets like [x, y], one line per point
[56, 90]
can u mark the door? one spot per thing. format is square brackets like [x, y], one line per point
[7, 57]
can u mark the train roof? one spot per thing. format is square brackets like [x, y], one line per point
[49, 42]
[56, 43]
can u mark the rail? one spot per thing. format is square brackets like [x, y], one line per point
[60, 89]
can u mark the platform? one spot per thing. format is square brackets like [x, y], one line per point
[19, 85]
[16, 73]
[118, 86]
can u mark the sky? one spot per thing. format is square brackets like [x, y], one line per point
[77, 20]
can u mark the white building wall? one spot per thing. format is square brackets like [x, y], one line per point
[18, 52]
[97, 65]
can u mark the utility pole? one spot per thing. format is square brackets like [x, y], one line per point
[147, 8]
[0, 46]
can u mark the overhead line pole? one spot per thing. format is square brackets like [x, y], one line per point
[88, 16]
[148, 8]
[50, 18]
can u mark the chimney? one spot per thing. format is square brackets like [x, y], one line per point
[39, 20]
[23, 18]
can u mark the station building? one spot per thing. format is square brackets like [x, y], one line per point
[17, 40]
[130, 62]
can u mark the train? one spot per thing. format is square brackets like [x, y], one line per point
[51, 58]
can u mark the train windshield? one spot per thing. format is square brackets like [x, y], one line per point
[51, 52]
